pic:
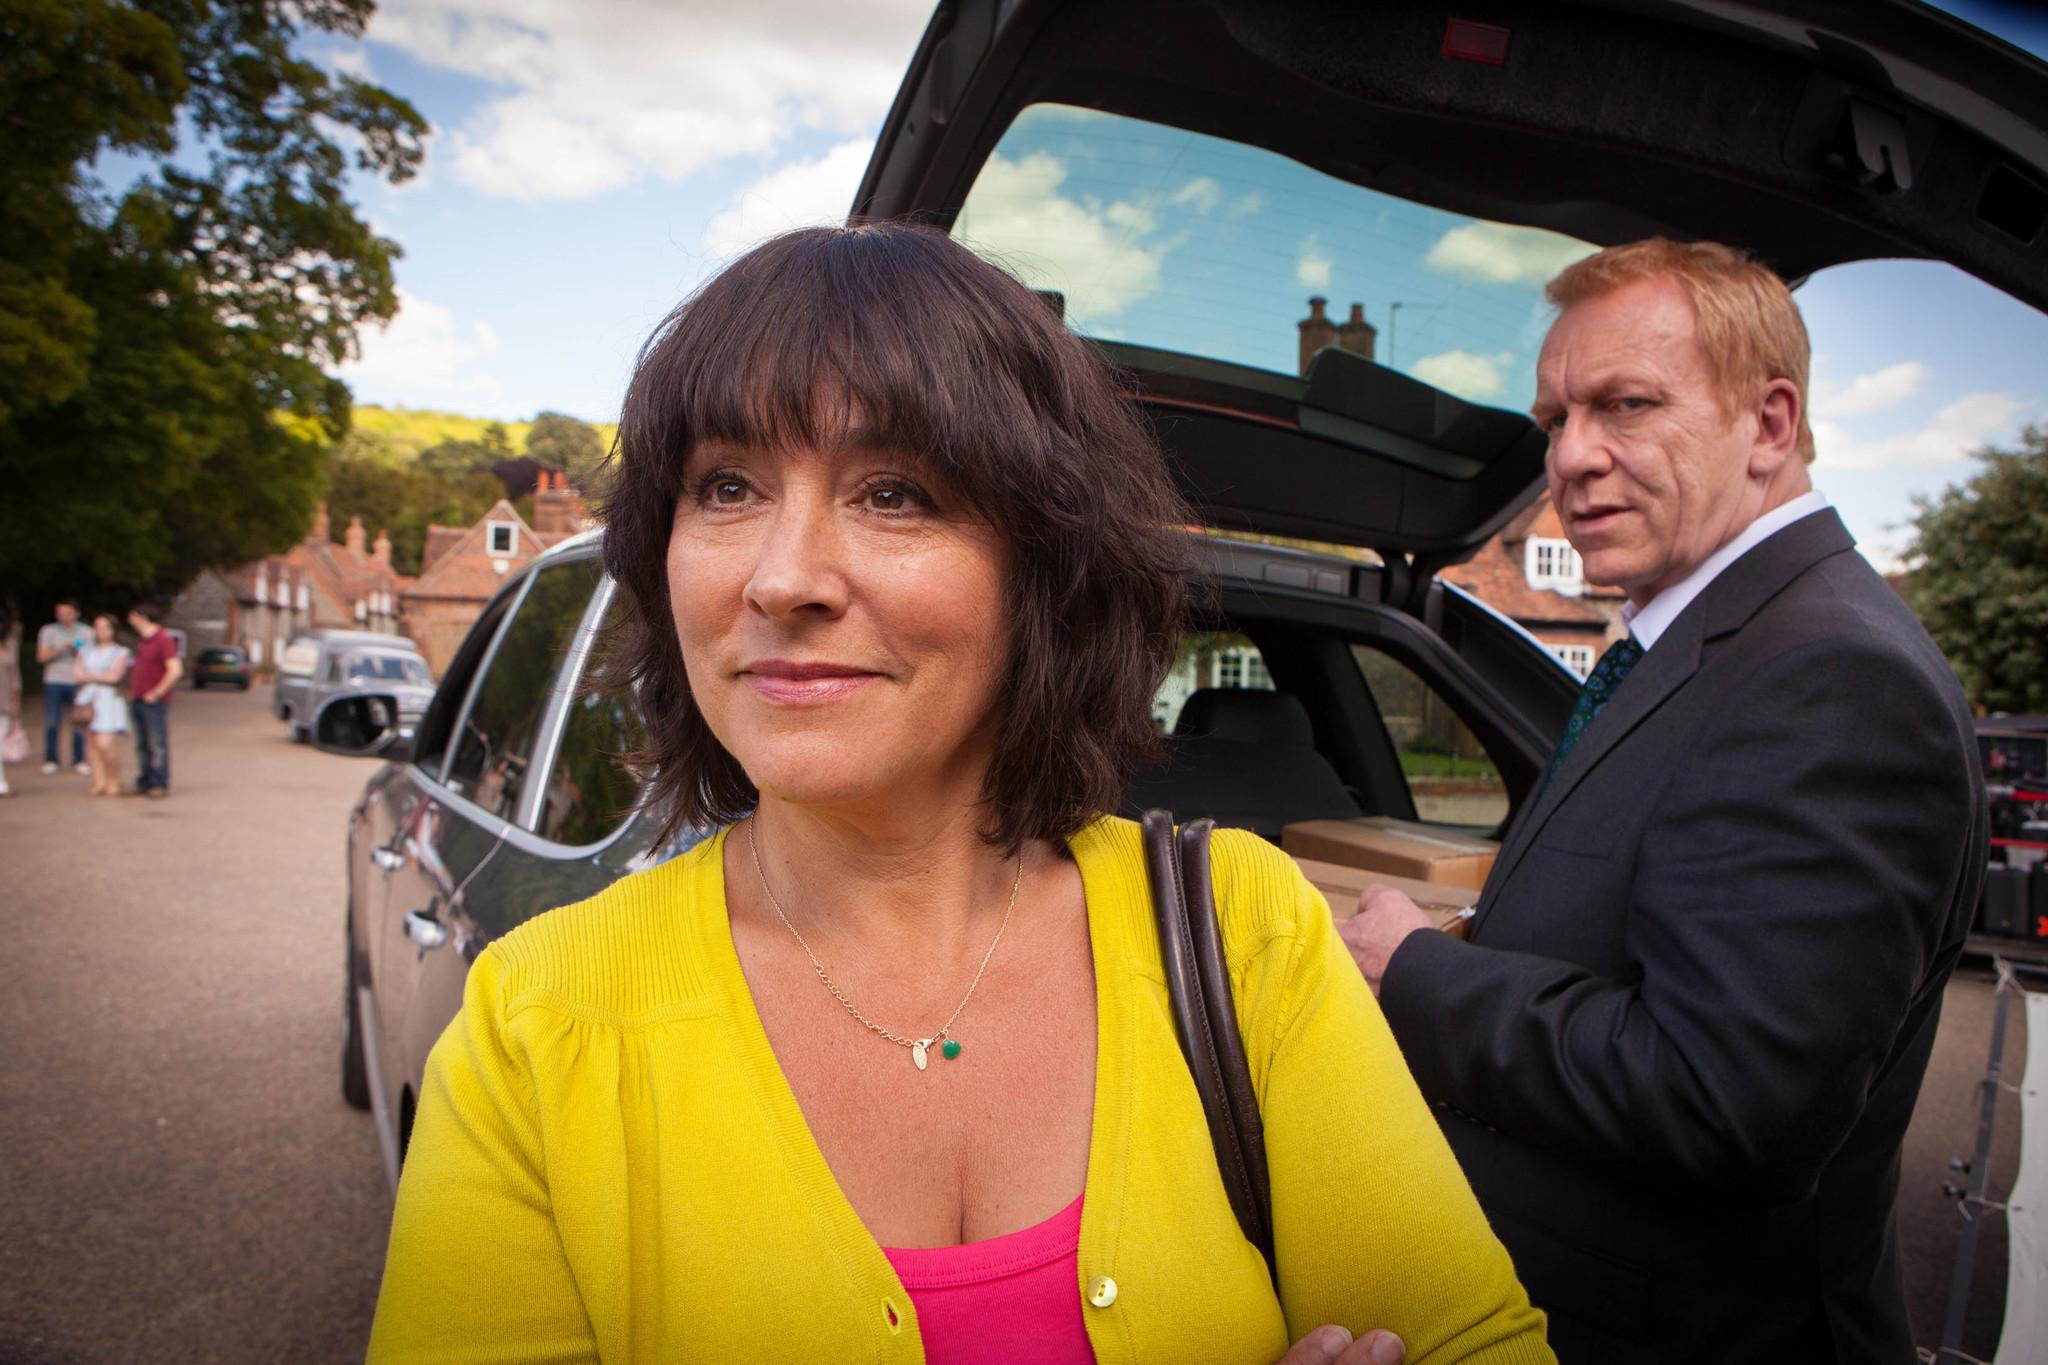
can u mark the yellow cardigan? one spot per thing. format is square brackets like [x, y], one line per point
[609, 1165]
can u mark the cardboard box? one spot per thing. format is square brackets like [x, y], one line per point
[1448, 907]
[1400, 848]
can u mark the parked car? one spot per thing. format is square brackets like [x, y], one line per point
[327, 663]
[222, 664]
[1278, 134]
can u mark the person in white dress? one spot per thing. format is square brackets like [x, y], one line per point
[101, 667]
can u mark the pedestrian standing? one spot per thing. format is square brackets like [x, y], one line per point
[57, 648]
[101, 667]
[13, 743]
[157, 670]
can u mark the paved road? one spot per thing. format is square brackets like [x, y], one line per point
[179, 1179]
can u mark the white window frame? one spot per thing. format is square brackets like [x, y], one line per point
[1551, 564]
[511, 530]
[1578, 658]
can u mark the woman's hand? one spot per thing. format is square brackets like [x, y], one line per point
[1332, 1345]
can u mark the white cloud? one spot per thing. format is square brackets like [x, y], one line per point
[1245, 205]
[1956, 432]
[1312, 263]
[1869, 392]
[601, 96]
[1497, 253]
[1096, 254]
[1473, 377]
[425, 350]
[815, 193]
[1202, 192]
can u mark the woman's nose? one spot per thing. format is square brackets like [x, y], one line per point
[798, 568]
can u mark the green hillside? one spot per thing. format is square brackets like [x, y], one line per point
[396, 436]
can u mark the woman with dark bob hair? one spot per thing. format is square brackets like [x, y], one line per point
[884, 1068]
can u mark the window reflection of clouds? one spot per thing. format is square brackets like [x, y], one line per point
[1172, 239]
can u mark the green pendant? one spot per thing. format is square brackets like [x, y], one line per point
[951, 1049]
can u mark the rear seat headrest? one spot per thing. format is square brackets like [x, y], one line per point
[1248, 715]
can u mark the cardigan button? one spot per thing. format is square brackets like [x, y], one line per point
[1102, 1291]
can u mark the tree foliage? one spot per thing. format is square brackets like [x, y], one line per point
[1980, 584]
[404, 501]
[166, 350]
[562, 442]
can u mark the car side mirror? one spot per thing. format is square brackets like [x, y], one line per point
[362, 726]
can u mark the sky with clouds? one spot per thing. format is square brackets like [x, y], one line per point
[592, 162]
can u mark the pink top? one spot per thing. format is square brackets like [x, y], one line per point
[1015, 1298]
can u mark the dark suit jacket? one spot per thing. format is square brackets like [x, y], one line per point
[1679, 1053]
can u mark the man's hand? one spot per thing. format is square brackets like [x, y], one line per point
[1332, 1345]
[1384, 918]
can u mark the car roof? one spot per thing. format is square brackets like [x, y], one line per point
[343, 639]
[1752, 124]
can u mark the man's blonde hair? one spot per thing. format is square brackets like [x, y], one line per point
[1748, 324]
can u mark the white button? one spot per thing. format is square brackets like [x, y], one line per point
[1102, 1291]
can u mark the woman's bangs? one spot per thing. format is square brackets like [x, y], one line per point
[825, 359]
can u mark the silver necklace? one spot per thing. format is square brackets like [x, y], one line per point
[920, 1048]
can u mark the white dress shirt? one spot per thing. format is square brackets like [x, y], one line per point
[1650, 622]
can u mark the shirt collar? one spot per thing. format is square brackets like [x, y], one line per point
[1650, 622]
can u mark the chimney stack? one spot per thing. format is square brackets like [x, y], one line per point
[381, 551]
[557, 510]
[1317, 331]
[355, 536]
[321, 531]
[1357, 335]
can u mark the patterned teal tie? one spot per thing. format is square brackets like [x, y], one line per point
[1606, 676]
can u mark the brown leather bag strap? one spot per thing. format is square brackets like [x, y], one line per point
[1205, 1017]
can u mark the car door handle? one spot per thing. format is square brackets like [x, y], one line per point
[423, 929]
[390, 859]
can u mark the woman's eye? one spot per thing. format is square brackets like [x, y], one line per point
[728, 491]
[889, 498]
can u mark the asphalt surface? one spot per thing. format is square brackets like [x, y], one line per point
[179, 1178]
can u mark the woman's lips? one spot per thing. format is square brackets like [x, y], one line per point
[776, 681]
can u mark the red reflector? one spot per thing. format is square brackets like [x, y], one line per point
[1476, 42]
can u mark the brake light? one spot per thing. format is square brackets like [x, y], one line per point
[1472, 41]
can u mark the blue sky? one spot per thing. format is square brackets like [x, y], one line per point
[593, 162]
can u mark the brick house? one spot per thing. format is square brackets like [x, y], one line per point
[461, 568]
[1531, 574]
[315, 585]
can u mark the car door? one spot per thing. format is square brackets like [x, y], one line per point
[459, 824]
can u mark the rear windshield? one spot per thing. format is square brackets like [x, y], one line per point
[1170, 239]
[387, 668]
[220, 656]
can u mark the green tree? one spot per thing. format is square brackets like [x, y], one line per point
[1980, 577]
[402, 502]
[562, 442]
[166, 398]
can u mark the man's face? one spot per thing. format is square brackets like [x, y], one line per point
[67, 615]
[1647, 472]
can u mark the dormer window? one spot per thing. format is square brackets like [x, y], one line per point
[1553, 565]
[501, 537]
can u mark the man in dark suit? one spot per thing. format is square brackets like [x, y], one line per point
[1678, 1054]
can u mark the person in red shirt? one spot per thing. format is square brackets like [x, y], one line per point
[157, 670]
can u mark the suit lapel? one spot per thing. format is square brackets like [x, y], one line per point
[1737, 593]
